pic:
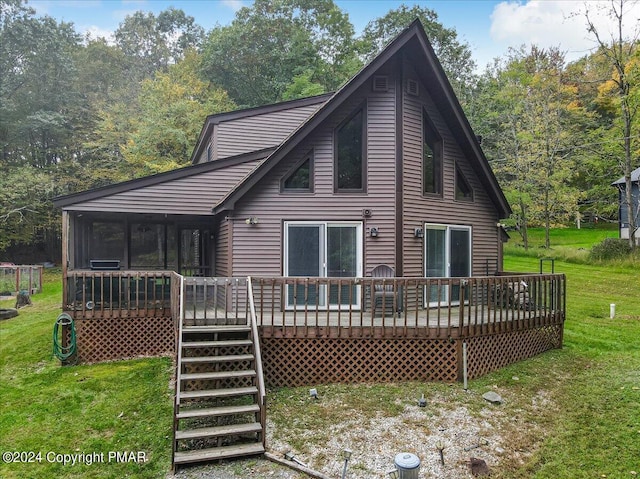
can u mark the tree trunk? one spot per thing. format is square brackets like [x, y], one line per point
[523, 225]
[627, 173]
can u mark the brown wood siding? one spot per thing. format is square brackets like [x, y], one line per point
[253, 133]
[203, 157]
[222, 249]
[257, 249]
[194, 195]
[480, 214]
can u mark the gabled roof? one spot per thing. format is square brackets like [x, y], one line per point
[176, 186]
[218, 118]
[635, 177]
[413, 40]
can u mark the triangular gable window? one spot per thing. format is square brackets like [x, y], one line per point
[299, 177]
[463, 189]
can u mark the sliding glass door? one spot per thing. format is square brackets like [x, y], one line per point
[322, 249]
[447, 255]
[304, 257]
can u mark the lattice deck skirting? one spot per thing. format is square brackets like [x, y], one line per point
[492, 352]
[299, 361]
[296, 362]
[109, 339]
[306, 361]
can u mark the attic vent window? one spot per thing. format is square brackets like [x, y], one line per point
[209, 153]
[380, 83]
[299, 178]
[413, 87]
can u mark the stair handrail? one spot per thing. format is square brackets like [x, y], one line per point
[180, 327]
[176, 399]
[258, 356]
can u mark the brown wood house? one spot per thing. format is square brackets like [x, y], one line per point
[387, 164]
[352, 236]
[385, 172]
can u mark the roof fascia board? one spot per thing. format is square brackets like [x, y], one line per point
[218, 118]
[159, 178]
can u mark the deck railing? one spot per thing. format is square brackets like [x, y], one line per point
[215, 301]
[407, 307]
[93, 294]
[328, 307]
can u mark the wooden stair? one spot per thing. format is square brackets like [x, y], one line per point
[219, 410]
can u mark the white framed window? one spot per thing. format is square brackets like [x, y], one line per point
[447, 254]
[326, 250]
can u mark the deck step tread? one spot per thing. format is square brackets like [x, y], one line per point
[218, 411]
[218, 328]
[217, 393]
[231, 429]
[217, 359]
[216, 453]
[218, 375]
[216, 344]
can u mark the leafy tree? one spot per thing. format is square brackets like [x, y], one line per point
[621, 90]
[157, 42]
[146, 45]
[593, 152]
[24, 204]
[36, 94]
[258, 56]
[455, 56]
[38, 109]
[303, 86]
[173, 107]
[533, 127]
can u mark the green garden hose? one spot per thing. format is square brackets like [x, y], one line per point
[64, 352]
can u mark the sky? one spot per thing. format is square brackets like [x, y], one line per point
[490, 27]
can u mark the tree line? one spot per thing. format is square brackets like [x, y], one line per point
[79, 113]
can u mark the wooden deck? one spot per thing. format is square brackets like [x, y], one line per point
[404, 307]
[501, 319]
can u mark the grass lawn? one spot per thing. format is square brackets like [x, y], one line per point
[595, 432]
[51, 410]
[587, 427]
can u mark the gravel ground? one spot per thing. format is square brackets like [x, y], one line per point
[376, 441]
[244, 468]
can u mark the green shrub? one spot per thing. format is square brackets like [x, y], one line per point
[611, 248]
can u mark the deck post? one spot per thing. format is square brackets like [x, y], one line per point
[65, 256]
[459, 359]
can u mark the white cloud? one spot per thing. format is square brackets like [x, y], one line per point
[234, 5]
[548, 23]
[94, 32]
